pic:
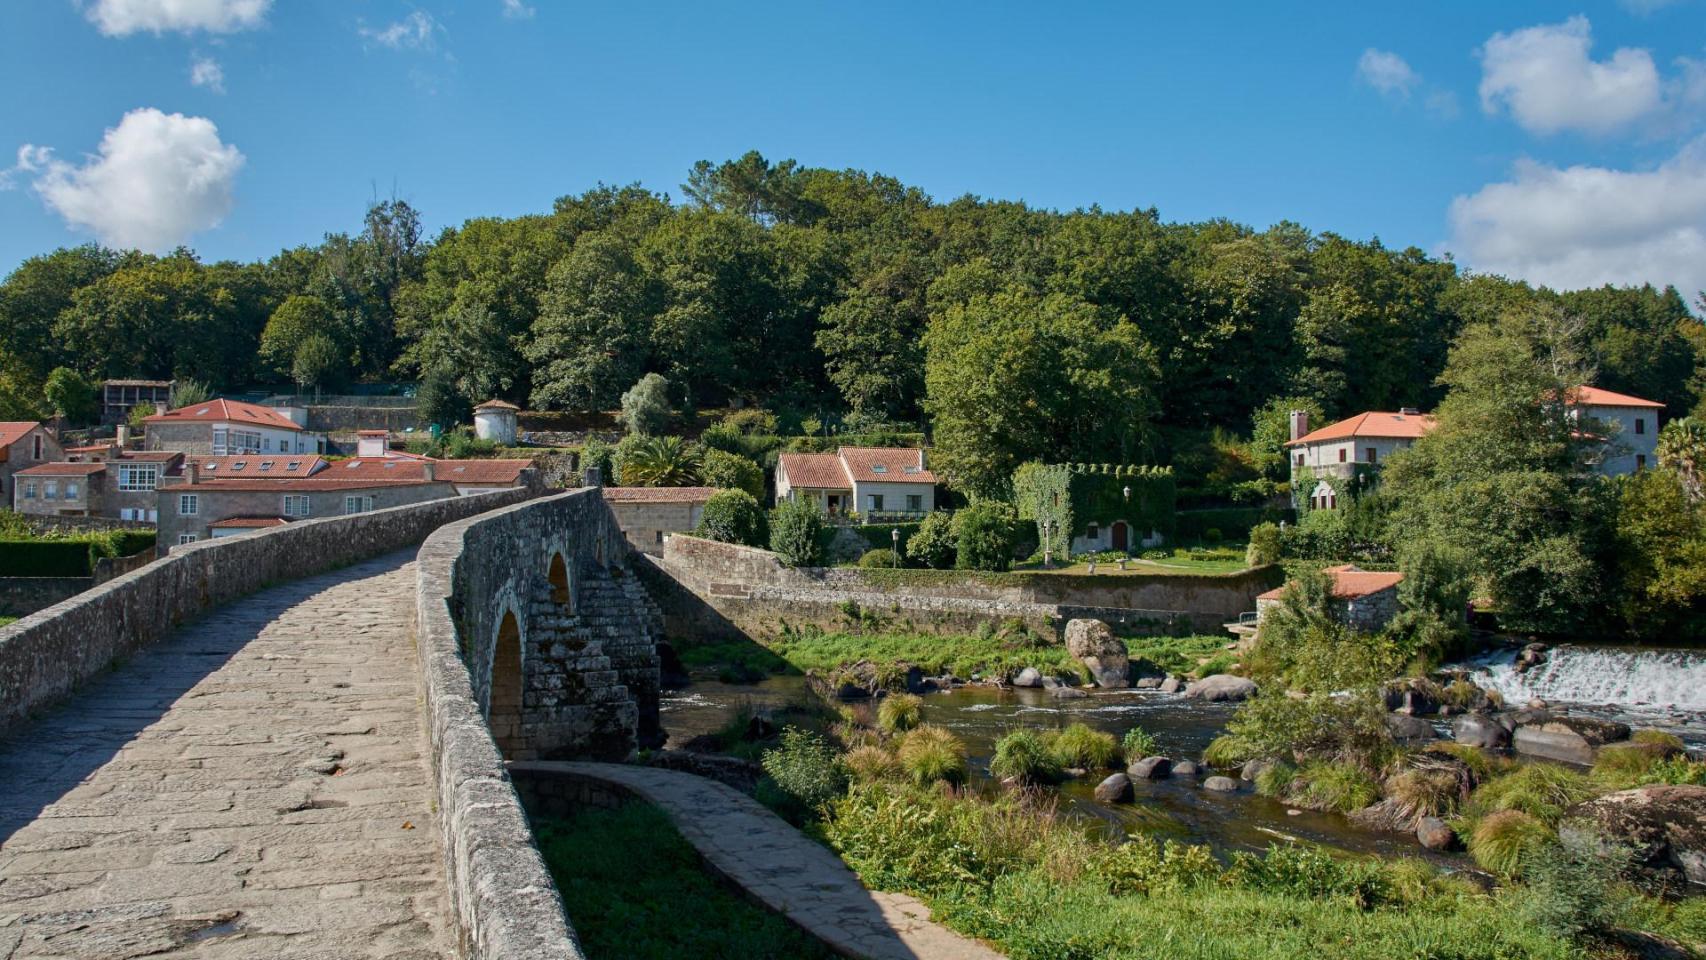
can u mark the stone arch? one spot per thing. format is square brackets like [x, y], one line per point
[562, 587]
[504, 699]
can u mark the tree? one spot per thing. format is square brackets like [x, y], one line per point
[188, 393]
[1270, 430]
[1682, 450]
[661, 462]
[933, 543]
[985, 534]
[1658, 558]
[297, 319]
[733, 516]
[871, 347]
[795, 527]
[645, 407]
[70, 395]
[591, 334]
[318, 363]
[438, 400]
[731, 471]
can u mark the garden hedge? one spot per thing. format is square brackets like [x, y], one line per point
[1234, 523]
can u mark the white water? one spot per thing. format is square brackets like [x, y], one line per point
[1642, 678]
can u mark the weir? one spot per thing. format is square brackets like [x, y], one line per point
[1641, 677]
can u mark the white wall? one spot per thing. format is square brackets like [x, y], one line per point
[1626, 447]
[894, 495]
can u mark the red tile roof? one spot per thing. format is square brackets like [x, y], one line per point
[659, 494]
[293, 484]
[886, 464]
[226, 411]
[151, 456]
[505, 472]
[1595, 397]
[1391, 426]
[248, 523]
[1349, 583]
[92, 448]
[818, 470]
[11, 431]
[250, 465]
[497, 405]
[380, 469]
[63, 470]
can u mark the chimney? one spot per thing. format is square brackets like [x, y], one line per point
[1410, 412]
[1299, 423]
[594, 477]
[372, 444]
[427, 471]
[123, 435]
[191, 473]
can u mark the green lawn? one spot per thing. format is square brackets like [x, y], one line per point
[1180, 560]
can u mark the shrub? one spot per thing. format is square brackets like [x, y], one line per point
[1142, 865]
[645, 407]
[871, 764]
[1667, 744]
[1573, 886]
[1228, 751]
[731, 471]
[933, 544]
[1351, 728]
[900, 712]
[794, 529]
[1542, 791]
[1264, 546]
[1139, 743]
[654, 461]
[597, 453]
[1302, 870]
[880, 559]
[1023, 755]
[929, 754]
[1482, 765]
[1423, 792]
[984, 535]
[1212, 535]
[1275, 779]
[1080, 746]
[733, 516]
[750, 422]
[805, 768]
[1333, 785]
[1500, 841]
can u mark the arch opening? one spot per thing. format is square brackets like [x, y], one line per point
[504, 702]
[559, 578]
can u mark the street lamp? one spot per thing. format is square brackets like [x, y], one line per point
[894, 538]
[1048, 544]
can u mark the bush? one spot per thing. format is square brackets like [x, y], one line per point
[1421, 792]
[1573, 888]
[900, 712]
[733, 516]
[1500, 841]
[652, 461]
[804, 767]
[731, 471]
[1307, 871]
[880, 559]
[794, 529]
[1024, 756]
[984, 536]
[1139, 743]
[871, 764]
[1080, 746]
[1542, 791]
[1351, 728]
[1275, 779]
[929, 754]
[1228, 751]
[1332, 785]
[750, 422]
[1264, 545]
[645, 407]
[933, 544]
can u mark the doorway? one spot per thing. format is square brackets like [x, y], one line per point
[1121, 538]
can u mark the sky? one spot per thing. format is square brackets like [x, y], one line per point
[1565, 145]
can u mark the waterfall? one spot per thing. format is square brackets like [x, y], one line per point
[1609, 676]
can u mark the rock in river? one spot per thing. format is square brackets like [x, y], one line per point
[1171, 685]
[1188, 769]
[1435, 834]
[1222, 687]
[1409, 729]
[1115, 789]
[1102, 653]
[1664, 826]
[1220, 784]
[1479, 730]
[1568, 739]
[1151, 768]
[1028, 677]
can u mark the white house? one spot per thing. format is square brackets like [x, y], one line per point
[223, 427]
[879, 483]
[1629, 425]
[496, 420]
[1336, 451]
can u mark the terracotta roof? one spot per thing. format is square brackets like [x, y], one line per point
[497, 405]
[1349, 583]
[151, 456]
[92, 448]
[1595, 397]
[62, 470]
[819, 470]
[12, 431]
[481, 471]
[886, 464]
[222, 411]
[258, 465]
[291, 484]
[1390, 426]
[248, 523]
[659, 494]
[377, 469]
[373, 433]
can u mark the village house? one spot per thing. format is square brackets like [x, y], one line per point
[1630, 426]
[23, 444]
[223, 427]
[1363, 599]
[880, 484]
[96, 482]
[118, 397]
[649, 514]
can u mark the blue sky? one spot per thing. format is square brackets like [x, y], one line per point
[1564, 144]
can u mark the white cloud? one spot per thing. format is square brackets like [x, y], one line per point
[417, 31]
[119, 18]
[1588, 226]
[206, 72]
[1545, 78]
[1645, 7]
[1443, 104]
[1388, 73]
[30, 159]
[158, 179]
[517, 10]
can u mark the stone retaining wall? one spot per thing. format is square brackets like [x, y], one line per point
[44, 655]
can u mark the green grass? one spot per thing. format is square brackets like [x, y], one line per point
[962, 655]
[1176, 654]
[635, 890]
[5, 620]
[1179, 562]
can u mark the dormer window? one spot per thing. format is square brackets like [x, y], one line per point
[911, 470]
[211, 466]
[879, 468]
[292, 465]
[266, 465]
[239, 464]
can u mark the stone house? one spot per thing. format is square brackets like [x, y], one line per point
[227, 427]
[1366, 600]
[647, 515]
[118, 484]
[1343, 450]
[880, 484]
[24, 444]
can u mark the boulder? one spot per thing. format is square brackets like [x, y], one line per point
[1220, 784]
[1115, 789]
[1093, 644]
[1148, 683]
[1171, 685]
[1028, 677]
[1414, 697]
[1530, 657]
[1568, 739]
[1064, 692]
[1255, 768]
[1187, 769]
[1435, 834]
[1479, 730]
[1663, 826]
[1151, 768]
[1408, 729]
[1222, 688]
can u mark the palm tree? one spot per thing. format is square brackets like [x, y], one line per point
[1682, 449]
[661, 462]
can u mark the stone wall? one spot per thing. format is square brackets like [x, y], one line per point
[44, 655]
[323, 418]
[724, 589]
[20, 596]
[44, 524]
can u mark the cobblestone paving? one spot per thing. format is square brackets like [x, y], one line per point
[254, 786]
[775, 863]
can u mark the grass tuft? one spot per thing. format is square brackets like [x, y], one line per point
[1500, 841]
[1024, 755]
[1080, 746]
[930, 754]
[900, 712]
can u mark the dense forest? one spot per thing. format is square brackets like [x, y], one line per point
[851, 298]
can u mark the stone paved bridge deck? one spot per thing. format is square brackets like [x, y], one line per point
[253, 786]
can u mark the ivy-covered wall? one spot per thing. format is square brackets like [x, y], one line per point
[1075, 495]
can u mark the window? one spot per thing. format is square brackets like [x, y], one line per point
[1640, 425]
[189, 504]
[184, 538]
[38, 446]
[297, 505]
[1300, 459]
[138, 476]
[915, 502]
[876, 500]
[70, 489]
[266, 465]
[50, 490]
[30, 490]
[292, 465]
[1094, 532]
[153, 515]
[129, 513]
[879, 468]
[358, 504]
[660, 536]
[227, 441]
[1332, 501]
[1373, 455]
[1341, 454]
[1640, 461]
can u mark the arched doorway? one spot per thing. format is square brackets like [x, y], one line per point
[559, 577]
[504, 703]
[1122, 537]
